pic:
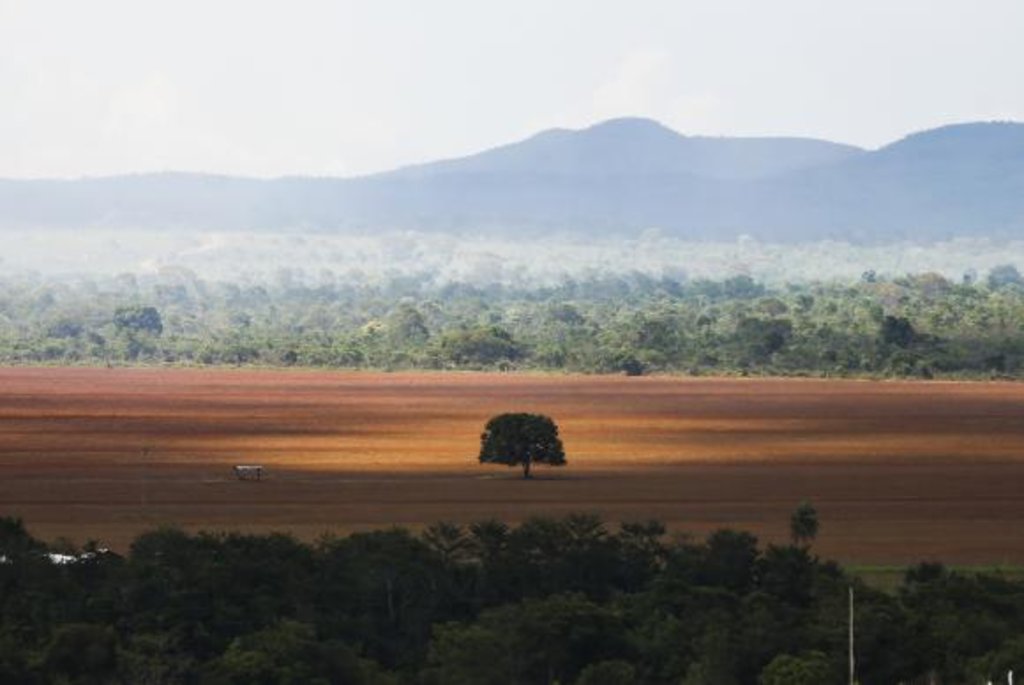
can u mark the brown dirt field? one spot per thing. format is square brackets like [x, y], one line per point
[899, 471]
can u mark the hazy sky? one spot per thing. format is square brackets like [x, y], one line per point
[299, 86]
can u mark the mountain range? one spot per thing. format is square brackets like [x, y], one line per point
[618, 177]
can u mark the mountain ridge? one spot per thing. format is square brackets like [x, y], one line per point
[620, 176]
[658, 148]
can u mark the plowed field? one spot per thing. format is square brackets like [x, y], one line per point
[899, 471]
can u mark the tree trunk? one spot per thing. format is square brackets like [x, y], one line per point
[526, 468]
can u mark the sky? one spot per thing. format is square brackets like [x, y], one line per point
[309, 87]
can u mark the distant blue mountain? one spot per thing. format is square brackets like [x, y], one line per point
[640, 148]
[618, 177]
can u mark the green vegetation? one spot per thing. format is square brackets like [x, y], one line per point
[551, 600]
[521, 440]
[803, 524]
[916, 326]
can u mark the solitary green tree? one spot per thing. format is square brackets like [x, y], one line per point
[521, 440]
[803, 524]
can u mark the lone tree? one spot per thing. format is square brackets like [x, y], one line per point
[803, 524]
[521, 439]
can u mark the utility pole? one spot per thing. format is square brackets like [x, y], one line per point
[852, 663]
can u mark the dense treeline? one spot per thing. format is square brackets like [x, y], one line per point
[550, 601]
[919, 325]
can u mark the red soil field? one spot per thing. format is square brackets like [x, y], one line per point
[899, 471]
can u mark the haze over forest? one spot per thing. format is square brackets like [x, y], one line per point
[624, 195]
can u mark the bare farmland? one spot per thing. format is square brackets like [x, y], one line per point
[899, 471]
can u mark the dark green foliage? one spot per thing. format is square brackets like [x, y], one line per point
[809, 668]
[627, 364]
[137, 319]
[81, 653]
[788, 573]
[537, 641]
[407, 326]
[552, 600]
[520, 439]
[15, 541]
[803, 524]
[209, 586]
[65, 328]
[14, 666]
[1004, 275]
[763, 337]
[290, 654]
[383, 590]
[994, 666]
[953, 617]
[482, 346]
[729, 560]
[614, 672]
[898, 331]
[917, 325]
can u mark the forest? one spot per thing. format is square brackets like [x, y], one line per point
[566, 600]
[917, 325]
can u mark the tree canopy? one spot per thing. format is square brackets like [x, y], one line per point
[918, 325]
[521, 439]
[569, 600]
[803, 524]
[138, 319]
